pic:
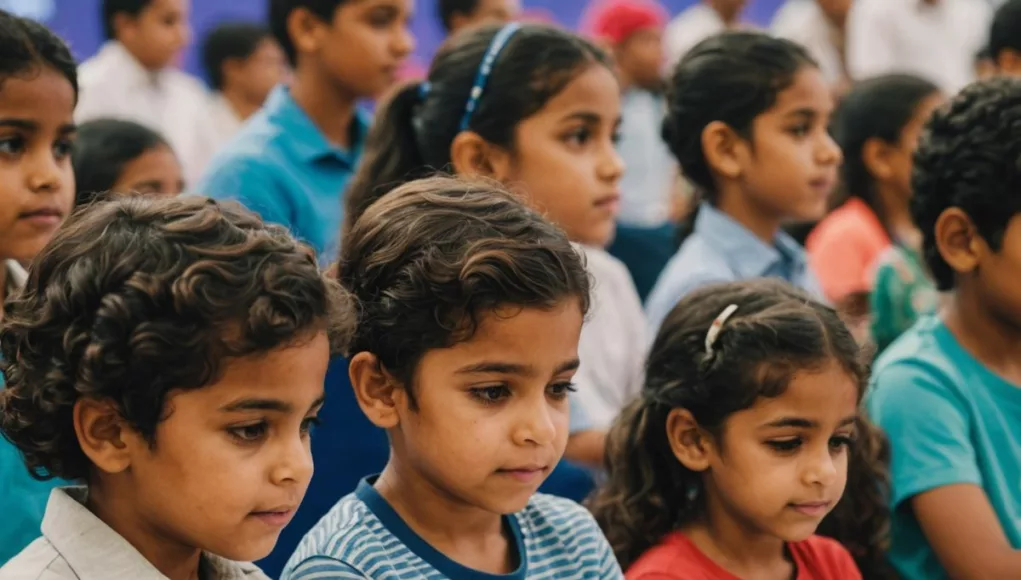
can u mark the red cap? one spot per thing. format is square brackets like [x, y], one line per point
[616, 20]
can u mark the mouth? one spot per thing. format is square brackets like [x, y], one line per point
[814, 509]
[525, 473]
[44, 216]
[823, 184]
[608, 202]
[276, 517]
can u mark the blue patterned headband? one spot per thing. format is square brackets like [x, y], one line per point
[485, 68]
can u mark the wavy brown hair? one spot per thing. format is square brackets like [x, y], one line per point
[776, 332]
[430, 258]
[136, 297]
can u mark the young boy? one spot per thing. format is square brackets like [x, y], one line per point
[243, 62]
[948, 392]
[1005, 39]
[133, 76]
[169, 354]
[699, 22]
[456, 15]
[292, 160]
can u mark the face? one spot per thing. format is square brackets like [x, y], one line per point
[488, 12]
[640, 57]
[492, 413]
[566, 161]
[158, 34]
[835, 10]
[901, 160]
[997, 274]
[154, 171]
[36, 178]
[263, 70]
[791, 167]
[232, 461]
[781, 465]
[363, 47]
[729, 9]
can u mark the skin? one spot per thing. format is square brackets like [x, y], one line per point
[247, 82]
[158, 34]
[156, 171]
[776, 470]
[489, 424]
[729, 10]
[36, 179]
[486, 12]
[230, 464]
[640, 59]
[787, 169]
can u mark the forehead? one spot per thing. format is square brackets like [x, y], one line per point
[593, 89]
[43, 96]
[168, 6]
[827, 396]
[498, 6]
[808, 91]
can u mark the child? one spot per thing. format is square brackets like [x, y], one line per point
[169, 354]
[536, 108]
[38, 89]
[819, 26]
[947, 392]
[1004, 50]
[243, 63]
[123, 157]
[698, 22]
[739, 444]
[757, 161]
[293, 159]
[456, 15]
[134, 75]
[877, 127]
[469, 311]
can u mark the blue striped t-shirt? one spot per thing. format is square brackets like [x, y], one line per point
[363, 537]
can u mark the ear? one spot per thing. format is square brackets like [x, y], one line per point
[104, 436]
[470, 154]
[875, 155]
[122, 24]
[233, 68]
[958, 241]
[723, 149]
[379, 395]
[690, 444]
[1008, 61]
[458, 21]
[305, 30]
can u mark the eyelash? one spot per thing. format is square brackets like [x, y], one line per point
[792, 445]
[480, 394]
[258, 431]
[15, 145]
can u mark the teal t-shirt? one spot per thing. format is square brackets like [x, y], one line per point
[950, 421]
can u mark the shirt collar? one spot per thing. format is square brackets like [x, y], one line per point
[746, 254]
[16, 275]
[127, 66]
[308, 141]
[94, 551]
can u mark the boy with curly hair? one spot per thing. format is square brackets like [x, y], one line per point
[948, 392]
[169, 354]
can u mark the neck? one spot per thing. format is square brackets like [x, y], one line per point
[991, 339]
[447, 523]
[3, 287]
[116, 508]
[896, 214]
[757, 220]
[242, 106]
[330, 109]
[729, 17]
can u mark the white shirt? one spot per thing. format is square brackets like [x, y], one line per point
[935, 41]
[802, 21]
[613, 341]
[689, 28]
[114, 84]
[220, 126]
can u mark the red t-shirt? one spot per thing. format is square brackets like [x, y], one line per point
[677, 558]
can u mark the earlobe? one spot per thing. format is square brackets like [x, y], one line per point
[471, 155]
[103, 435]
[690, 445]
[957, 241]
[720, 145]
[376, 391]
[301, 27]
[874, 157]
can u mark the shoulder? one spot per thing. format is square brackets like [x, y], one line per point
[845, 224]
[601, 264]
[695, 264]
[349, 535]
[673, 557]
[555, 527]
[822, 557]
[39, 561]
[188, 84]
[918, 362]
[793, 17]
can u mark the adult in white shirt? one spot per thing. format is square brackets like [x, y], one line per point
[698, 23]
[243, 63]
[934, 39]
[819, 26]
[133, 76]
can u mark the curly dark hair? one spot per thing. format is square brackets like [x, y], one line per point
[30, 46]
[776, 332]
[426, 261]
[969, 156]
[138, 296]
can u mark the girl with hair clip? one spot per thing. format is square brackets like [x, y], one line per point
[748, 121]
[537, 109]
[743, 439]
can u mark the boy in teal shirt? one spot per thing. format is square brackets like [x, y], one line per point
[948, 392]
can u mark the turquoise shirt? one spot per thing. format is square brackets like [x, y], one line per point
[950, 421]
[281, 166]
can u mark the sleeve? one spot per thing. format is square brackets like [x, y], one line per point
[323, 568]
[928, 429]
[835, 257]
[870, 50]
[668, 293]
[245, 181]
[887, 290]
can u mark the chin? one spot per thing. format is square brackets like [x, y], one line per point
[245, 550]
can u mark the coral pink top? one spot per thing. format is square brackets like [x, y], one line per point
[844, 247]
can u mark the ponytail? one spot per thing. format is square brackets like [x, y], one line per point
[392, 154]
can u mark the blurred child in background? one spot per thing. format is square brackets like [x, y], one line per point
[698, 22]
[819, 26]
[456, 15]
[1004, 50]
[116, 156]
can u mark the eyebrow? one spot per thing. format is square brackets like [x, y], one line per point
[29, 125]
[802, 423]
[586, 116]
[803, 112]
[275, 405]
[506, 368]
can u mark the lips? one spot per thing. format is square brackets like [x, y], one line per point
[276, 517]
[812, 508]
[526, 473]
[45, 216]
[610, 202]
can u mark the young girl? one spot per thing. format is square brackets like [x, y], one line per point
[740, 442]
[38, 89]
[536, 108]
[469, 309]
[748, 122]
[123, 157]
[877, 126]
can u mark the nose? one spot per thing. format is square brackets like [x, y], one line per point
[824, 468]
[829, 152]
[536, 424]
[44, 173]
[612, 166]
[405, 42]
[293, 463]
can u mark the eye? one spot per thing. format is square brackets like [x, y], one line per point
[249, 433]
[579, 137]
[12, 145]
[309, 425]
[490, 395]
[800, 130]
[382, 17]
[560, 391]
[839, 442]
[62, 148]
[785, 445]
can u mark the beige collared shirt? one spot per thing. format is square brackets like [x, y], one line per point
[16, 277]
[78, 545]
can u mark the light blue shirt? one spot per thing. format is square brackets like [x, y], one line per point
[722, 250]
[950, 421]
[363, 537]
[281, 166]
[647, 184]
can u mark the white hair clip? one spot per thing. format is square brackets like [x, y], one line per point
[717, 326]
